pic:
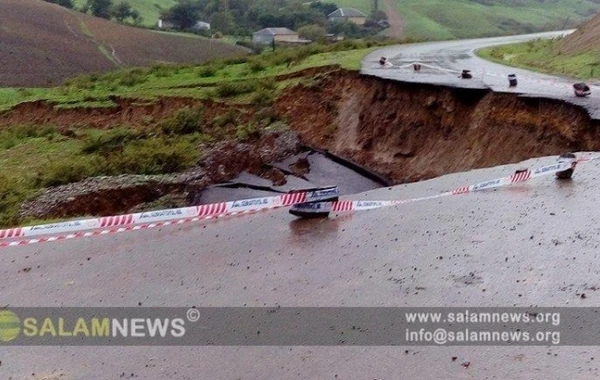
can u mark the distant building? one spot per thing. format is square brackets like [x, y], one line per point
[268, 35]
[334, 37]
[348, 14]
[162, 24]
[200, 25]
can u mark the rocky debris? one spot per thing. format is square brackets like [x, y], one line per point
[105, 195]
[168, 201]
[228, 159]
[301, 167]
[135, 193]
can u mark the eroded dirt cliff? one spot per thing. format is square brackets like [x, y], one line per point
[410, 132]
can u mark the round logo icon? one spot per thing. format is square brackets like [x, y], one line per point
[10, 326]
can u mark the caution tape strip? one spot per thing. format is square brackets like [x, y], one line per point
[518, 177]
[201, 212]
[218, 210]
[146, 226]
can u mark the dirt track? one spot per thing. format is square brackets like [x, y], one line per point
[394, 18]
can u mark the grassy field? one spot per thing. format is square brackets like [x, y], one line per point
[445, 19]
[544, 56]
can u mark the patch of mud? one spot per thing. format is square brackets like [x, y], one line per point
[230, 158]
[301, 167]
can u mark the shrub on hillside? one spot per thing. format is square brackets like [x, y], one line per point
[153, 156]
[312, 32]
[185, 121]
[256, 65]
[265, 117]
[244, 132]
[161, 70]
[207, 71]
[228, 118]
[12, 194]
[132, 77]
[66, 171]
[235, 61]
[108, 142]
[263, 97]
[80, 81]
[229, 89]
[15, 135]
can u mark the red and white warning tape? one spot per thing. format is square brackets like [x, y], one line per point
[148, 220]
[200, 212]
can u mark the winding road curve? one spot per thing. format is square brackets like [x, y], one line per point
[529, 244]
[443, 61]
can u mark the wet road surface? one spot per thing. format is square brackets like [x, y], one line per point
[443, 61]
[534, 243]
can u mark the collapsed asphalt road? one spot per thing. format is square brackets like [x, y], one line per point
[531, 244]
[443, 61]
[534, 243]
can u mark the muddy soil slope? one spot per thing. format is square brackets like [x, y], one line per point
[410, 132]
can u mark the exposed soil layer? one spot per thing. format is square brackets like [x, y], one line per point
[405, 132]
[586, 38]
[128, 111]
[409, 132]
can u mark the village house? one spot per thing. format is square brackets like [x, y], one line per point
[268, 35]
[348, 14]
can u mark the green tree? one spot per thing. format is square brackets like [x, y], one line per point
[136, 17]
[324, 8]
[183, 15]
[121, 11]
[312, 32]
[223, 22]
[99, 8]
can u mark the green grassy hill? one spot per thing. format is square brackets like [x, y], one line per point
[442, 19]
[149, 9]
[576, 55]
